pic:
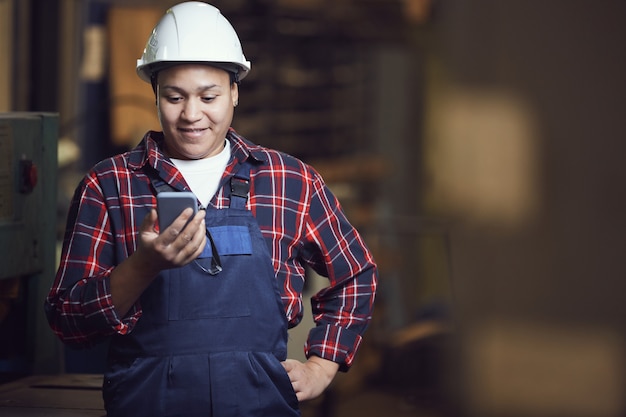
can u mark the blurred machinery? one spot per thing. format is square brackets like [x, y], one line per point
[28, 155]
[31, 362]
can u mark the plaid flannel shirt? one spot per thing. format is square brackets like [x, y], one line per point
[300, 219]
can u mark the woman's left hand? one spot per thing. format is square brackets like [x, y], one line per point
[311, 378]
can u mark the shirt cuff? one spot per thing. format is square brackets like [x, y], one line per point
[103, 314]
[333, 343]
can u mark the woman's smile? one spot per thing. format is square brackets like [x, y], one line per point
[196, 104]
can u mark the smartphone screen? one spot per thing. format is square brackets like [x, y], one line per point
[170, 204]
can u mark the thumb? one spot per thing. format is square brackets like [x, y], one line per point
[288, 365]
[149, 222]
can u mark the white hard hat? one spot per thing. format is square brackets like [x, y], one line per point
[193, 32]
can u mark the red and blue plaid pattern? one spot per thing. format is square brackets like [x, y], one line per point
[300, 219]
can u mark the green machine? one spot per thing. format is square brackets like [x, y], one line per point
[28, 218]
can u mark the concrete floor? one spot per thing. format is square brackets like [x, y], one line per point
[70, 395]
[371, 403]
[79, 395]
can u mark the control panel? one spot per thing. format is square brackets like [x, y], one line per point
[28, 216]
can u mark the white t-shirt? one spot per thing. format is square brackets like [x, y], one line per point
[204, 175]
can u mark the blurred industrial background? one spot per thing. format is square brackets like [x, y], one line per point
[478, 145]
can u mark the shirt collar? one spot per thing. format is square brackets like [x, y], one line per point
[148, 151]
[243, 149]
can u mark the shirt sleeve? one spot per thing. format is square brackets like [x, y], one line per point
[79, 307]
[343, 310]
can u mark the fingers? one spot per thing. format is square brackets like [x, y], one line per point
[184, 239]
[292, 368]
[192, 235]
[178, 225]
[311, 378]
[301, 381]
[182, 228]
[288, 365]
[198, 241]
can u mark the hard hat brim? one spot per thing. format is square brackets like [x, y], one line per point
[147, 71]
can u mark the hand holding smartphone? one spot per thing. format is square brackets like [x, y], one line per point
[170, 204]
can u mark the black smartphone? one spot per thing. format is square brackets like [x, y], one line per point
[170, 204]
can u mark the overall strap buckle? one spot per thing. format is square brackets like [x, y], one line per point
[240, 187]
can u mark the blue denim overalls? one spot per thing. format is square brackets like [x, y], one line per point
[208, 345]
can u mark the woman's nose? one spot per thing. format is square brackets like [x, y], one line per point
[191, 111]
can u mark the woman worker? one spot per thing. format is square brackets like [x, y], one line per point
[197, 313]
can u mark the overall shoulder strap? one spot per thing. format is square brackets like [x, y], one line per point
[240, 187]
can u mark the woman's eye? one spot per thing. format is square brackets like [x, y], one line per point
[208, 98]
[174, 99]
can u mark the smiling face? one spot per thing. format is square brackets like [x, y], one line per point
[195, 105]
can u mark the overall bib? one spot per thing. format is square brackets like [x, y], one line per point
[208, 345]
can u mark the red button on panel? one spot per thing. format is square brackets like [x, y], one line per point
[29, 176]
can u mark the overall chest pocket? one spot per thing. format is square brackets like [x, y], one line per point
[195, 294]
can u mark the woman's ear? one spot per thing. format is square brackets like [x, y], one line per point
[234, 93]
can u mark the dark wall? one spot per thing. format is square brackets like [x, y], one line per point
[557, 280]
